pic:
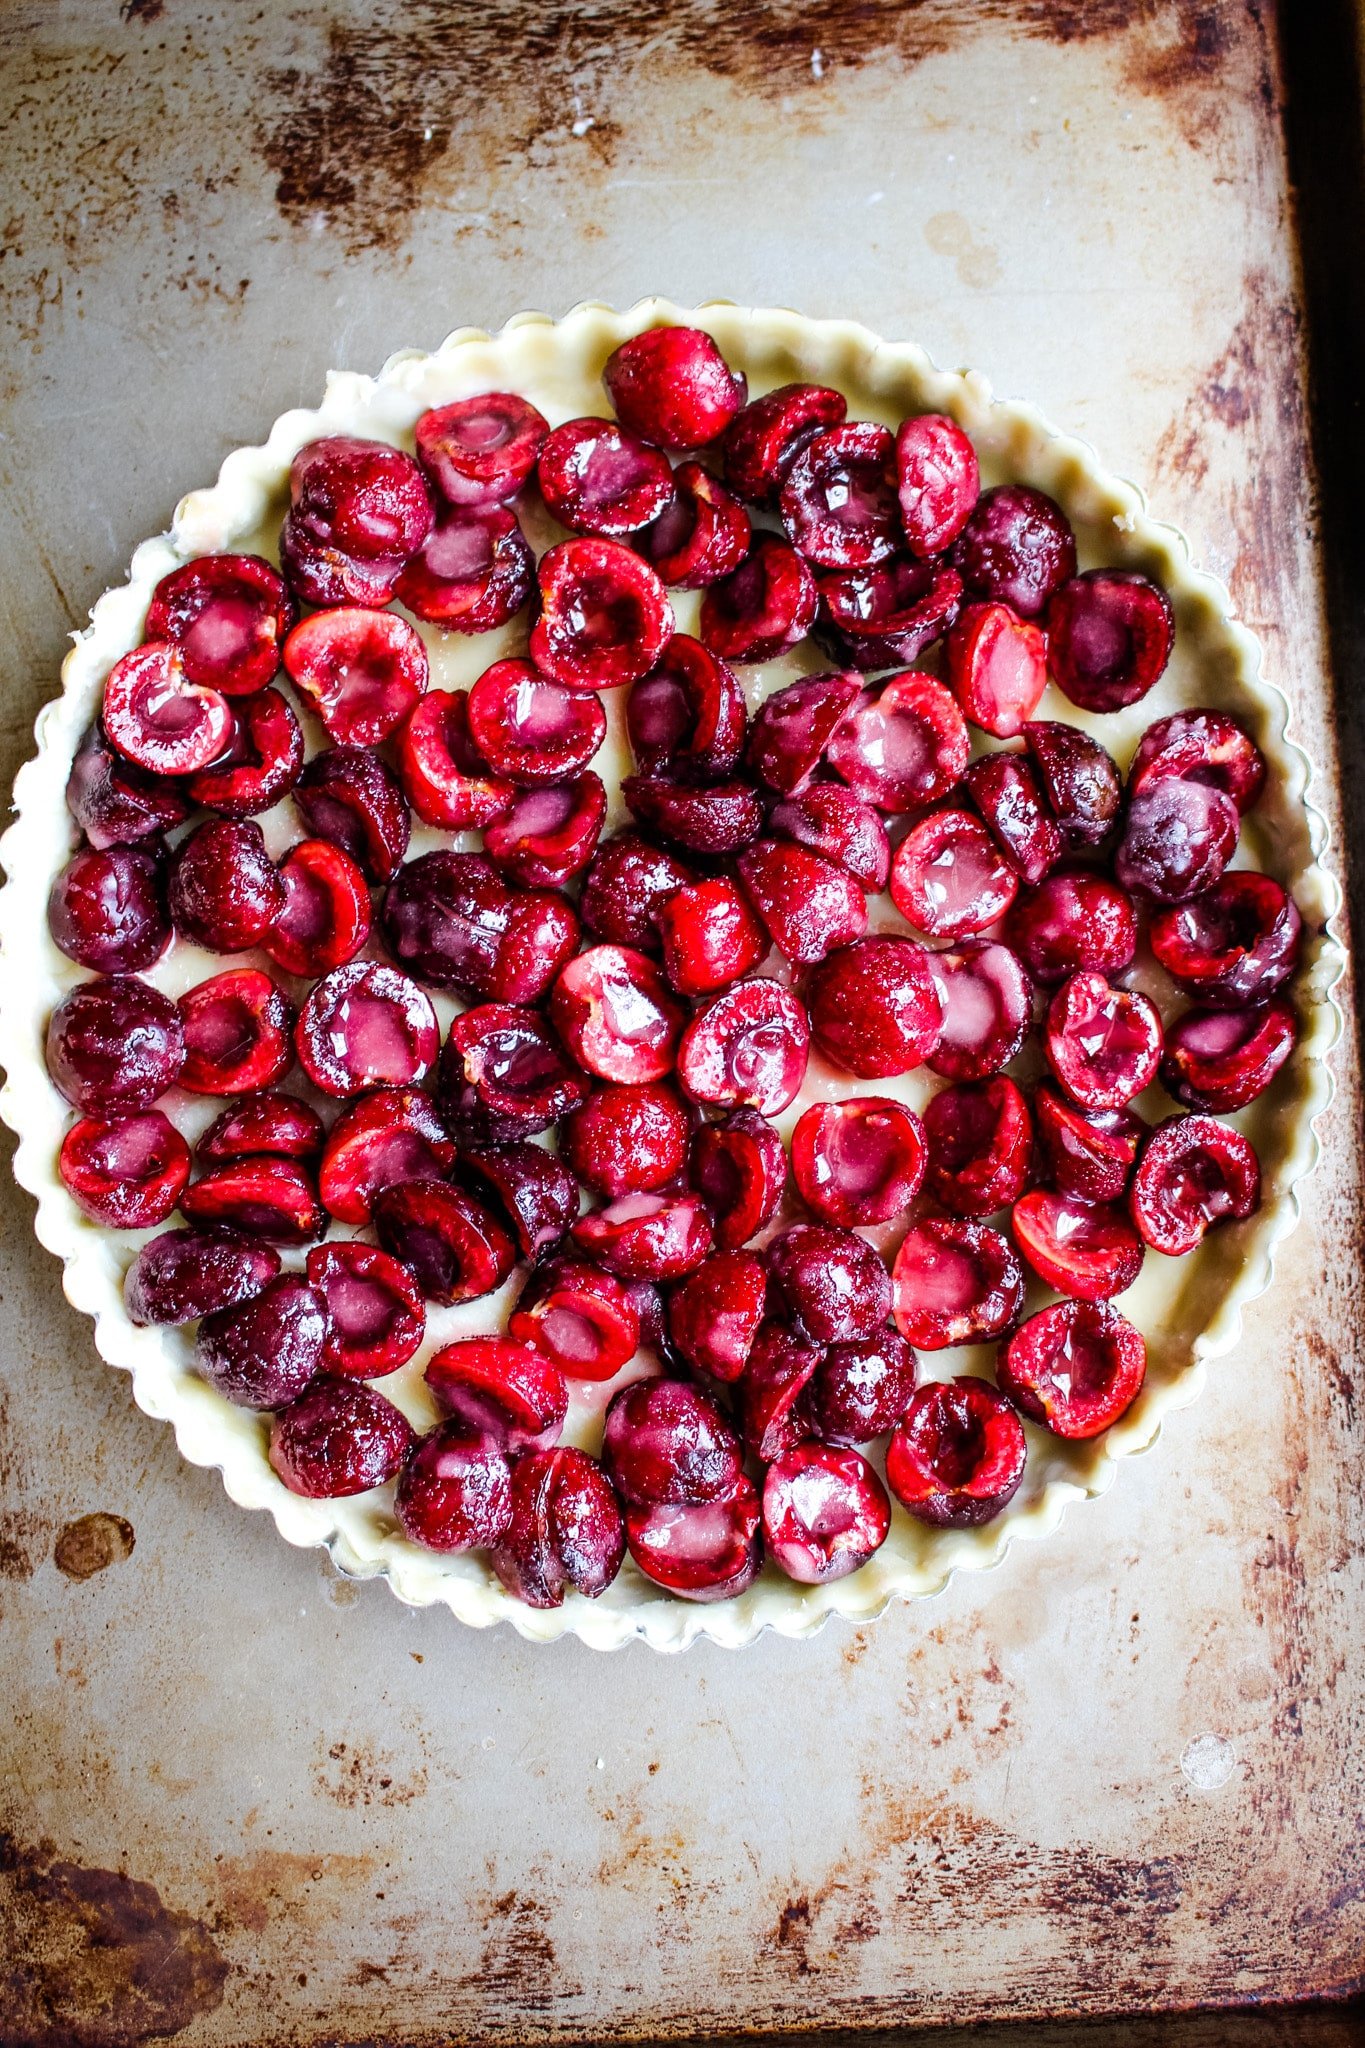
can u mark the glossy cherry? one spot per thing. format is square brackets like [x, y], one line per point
[501, 1389]
[862, 1388]
[457, 1249]
[610, 1007]
[114, 1045]
[326, 916]
[455, 1491]
[237, 1030]
[711, 1552]
[565, 1532]
[1088, 1250]
[859, 1161]
[605, 617]
[581, 1318]
[793, 728]
[773, 1390]
[626, 883]
[157, 718]
[875, 1008]
[263, 1352]
[739, 1168]
[453, 922]
[885, 616]
[547, 836]
[949, 878]
[185, 1274]
[1220, 1060]
[808, 905]
[938, 481]
[533, 1190]
[1235, 944]
[1178, 837]
[480, 451]
[710, 936]
[825, 1513]
[647, 1236]
[597, 478]
[1109, 638]
[1007, 791]
[625, 1139]
[1079, 781]
[260, 764]
[1193, 1173]
[228, 616]
[832, 1282]
[987, 1004]
[117, 804]
[748, 1046]
[444, 777]
[532, 731]
[224, 890]
[260, 1197]
[702, 533]
[365, 1026]
[955, 1283]
[125, 1172]
[714, 1314]
[980, 1144]
[107, 910]
[1103, 1043]
[762, 608]
[997, 666]
[667, 1443]
[350, 796]
[713, 821]
[361, 671]
[504, 1075]
[1073, 922]
[1017, 547]
[358, 510]
[836, 822]
[672, 386]
[277, 1124]
[1086, 1153]
[904, 745]
[336, 1439]
[687, 717]
[1202, 746]
[766, 436]
[957, 1457]
[1075, 1368]
[376, 1313]
[838, 500]
[473, 573]
[387, 1136]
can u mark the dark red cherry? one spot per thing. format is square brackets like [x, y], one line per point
[859, 1161]
[672, 386]
[794, 726]
[578, 1316]
[825, 1513]
[1075, 1367]
[1109, 638]
[862, 1388]
[114, 1045]
[838, 501]
[532, 731]
[117, 804]
[949, 878]
[980, 1142]
[273, 1199]
[107, 910]
[713, 821]
[668, 1444]
[387, 1136]
[987, 1003]
[701, 535]
[263, 1352]
[456, 1248]
[1071, 923]
[534, 1190]
[739, 1168]
[831, 1281]
[364, 1026]
[336, 1439]
[261, 763]
[885, 616]
[711, 1552]
[547, 836]
[836, 822]
[565, 1532]
[227, 615]
[763, 607]
[237, 1030]
[277, 1124]
[1088, 1250]
[501, 1389]
[596, 478]
[626, 882]
[605, 617]
[1220, 1060]
[474, 572]
[1007, 792]
[1193, 1173]
[875, 1007]
[714, 1314]
[1177, 839]
[376, 1311]
[444, 777]
[1235, 944]
[808, 905]
[455, 1492]
[350, 796]
[687, 718]
[361, 671]
[326, 916]
[781, 1366]
[624, 1139]
[157, 718]
[452, 920]
[903, 745]
[748, 1046]
[225, 892]
[1200, 746]
[957, 1457]
[955, 1283]
[357, 511]
[1017, 547]
[504, 1075]
[185, 1274]
[611, 1008]
[480, 451]
[125, 1172]
[766, 436]
[1088, 1153]
[710, 936]
[647, 1236]
[1079, 781]
[1102, 1043]
[938, 481]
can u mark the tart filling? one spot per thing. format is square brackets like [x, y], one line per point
[598, 903]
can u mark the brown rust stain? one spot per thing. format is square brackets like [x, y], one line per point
[358, 137]
[93, 1958]
[265, 1886]
[92, 1543]
[520, 1968]
[360, 1775]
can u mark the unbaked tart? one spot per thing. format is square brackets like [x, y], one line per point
[664, 973]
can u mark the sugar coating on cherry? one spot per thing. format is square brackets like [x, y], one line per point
[1076, 1368]
[338, 1438]
[747, 1048]
[1193, 1173]
[955, 1283]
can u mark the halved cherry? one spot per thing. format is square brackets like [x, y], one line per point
[261, 1197]
[1234, 944]
[1193, 1173]
[237, 1031]
[500, 1388]
[1088, 1153]
[115, 803]
[1200, 746]
[763, 607]
[504, 1075]
[125, 1172]
[859, 1161]
[714, 1314]
[862, 1388]
[326, 916]
[361, 671]
[390, 1135]
[1177, 839]
[454, 921]
[710, 1552]
[980, 1140]
[1088, 1250]
[107, 910]
[765, 437]
[612, 1010]
[687, 717]
[1017, 547]
[885, 616]
[672, 386]
[647, 1237]
[455, 1491]
[666, 1443]
[444, 777]
[1220, 1060]
[1102, 1043]
[957, 1457]
[350, 796]
[701, 535]
[836, 822]
[1073, 922]
[794, 726]
[626, 883]
[938, 480]
[1075, 1367]
[261, 763]
[1109, 638]
[547, 836]
[579, 1317]
[710, 936]
[156, 717]
[565, 1530]
[955, 1283]
[997, 665]
[1006, 791]
[904, 745]
[228, 615]
[357, 510]
[748, 1046]
[832, 1283]
[714, 821]
[224, 890]
[530, 730]
[480, 451]
[781, 1366]
[838, 502]
[595, 478]
[456, 1247]
[987, 1001]
[605, 617]
[263, 1352]
[739, 1169]
[875, 1007]
[114, 1044]
[336, 1439]
[365, 1026]
[474, 571]
[278, 1124]
[185, 1274]
[377, 1317]
[949, 878]
[825, 1513]
[1079, 779]
[809, 905]
[534, 1191]
[625, 1139]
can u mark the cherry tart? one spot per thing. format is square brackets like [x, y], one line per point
[663, 976]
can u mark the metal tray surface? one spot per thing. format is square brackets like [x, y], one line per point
[246, 1802]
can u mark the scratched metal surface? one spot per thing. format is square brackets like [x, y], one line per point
[245, 1802]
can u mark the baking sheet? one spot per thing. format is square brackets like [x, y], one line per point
[248, 1802]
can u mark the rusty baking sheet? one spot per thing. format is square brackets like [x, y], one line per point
[246, 1803]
